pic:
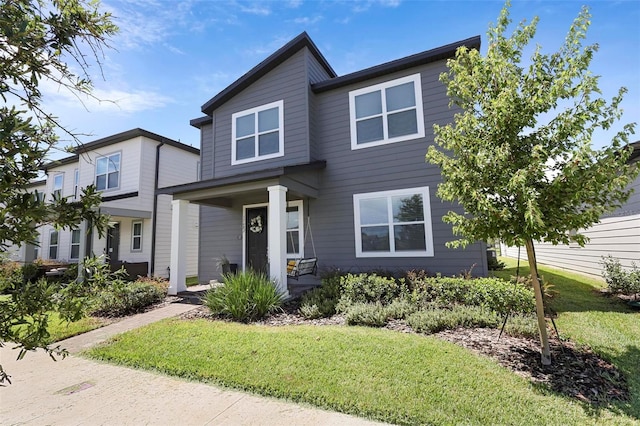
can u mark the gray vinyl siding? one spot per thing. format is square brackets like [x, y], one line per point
[220, 234]
[617, 235]
[286, 82]
[316, 73]
[206, 150]
[386, 167]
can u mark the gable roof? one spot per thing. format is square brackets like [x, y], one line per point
[113, 139]
[442, 52]
[257, 72]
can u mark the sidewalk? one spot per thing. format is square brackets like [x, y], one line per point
[77, 391]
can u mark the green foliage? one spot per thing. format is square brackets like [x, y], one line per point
[124, 298]
[321, 302]
[245, 296]
[518, 157]
[435, 320]
[38, 39]
[620, 280]
[522, 326]
[494, 264]
[488, 293]
[369, 288]
[368, 314]
[400, 309]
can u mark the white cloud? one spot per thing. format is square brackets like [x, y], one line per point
[256, 9]
[270, 47]
[305, 20]
[363, 6]
[294, 4]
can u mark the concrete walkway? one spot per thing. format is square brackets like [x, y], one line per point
[77, 391]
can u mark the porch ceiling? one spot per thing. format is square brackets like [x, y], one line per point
[302, 181]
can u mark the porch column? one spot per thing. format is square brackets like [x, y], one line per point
[277, 236]
[179, 230]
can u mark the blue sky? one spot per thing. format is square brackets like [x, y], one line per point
[172, 56]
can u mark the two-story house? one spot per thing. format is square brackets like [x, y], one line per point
[298, 162]
[126, 168]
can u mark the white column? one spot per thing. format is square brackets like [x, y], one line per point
[179, 231]
[277, 233]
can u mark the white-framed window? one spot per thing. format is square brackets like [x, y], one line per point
[58, 181]
[258, 133]
[108, 172]
[295, 230]
[136, 235]
[393, 223]
[36, 247]
[75, 244]
[53, 244]
[76, 180]
[387, 112]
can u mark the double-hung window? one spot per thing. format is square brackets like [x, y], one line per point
[136, 236]
[393, 223]
[295, 236]
[108, 172]
[58, 181]
[53, 244]
[387, 112]
[75, 244]
[258, 133]
[76, 180]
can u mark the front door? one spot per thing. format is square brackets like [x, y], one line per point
[113, 243]
[256, 230]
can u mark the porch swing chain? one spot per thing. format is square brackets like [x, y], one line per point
[310, 232]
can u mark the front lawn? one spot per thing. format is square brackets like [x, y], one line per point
[605, 324]
[391, 376]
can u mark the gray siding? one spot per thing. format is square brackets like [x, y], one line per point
[387, 167]
[206, 150]
[288, 82]
[616, 235]
[316, 73]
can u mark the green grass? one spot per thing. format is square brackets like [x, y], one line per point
[191, 281]
[585, 316]
[60, 329]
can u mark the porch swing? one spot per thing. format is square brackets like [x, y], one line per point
[306, 266]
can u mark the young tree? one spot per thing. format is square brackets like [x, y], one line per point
[41, 41]
[520, 177]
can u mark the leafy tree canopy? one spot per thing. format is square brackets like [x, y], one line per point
[518, 176]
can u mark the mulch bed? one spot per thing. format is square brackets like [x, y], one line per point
[575, 371]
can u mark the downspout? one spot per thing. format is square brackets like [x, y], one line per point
[155, 210]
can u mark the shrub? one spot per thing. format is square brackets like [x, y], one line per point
[400, 309]
[491, 294]
[122, 298]
[11, 276]
[369, 288]
[246, 296]
[620, 280]
[367, 314]
[522, 326]
[162, 284]
[494, 264]
[321, 301]
[435, 320]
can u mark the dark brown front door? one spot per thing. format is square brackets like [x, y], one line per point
[113, 243]
[256, 226]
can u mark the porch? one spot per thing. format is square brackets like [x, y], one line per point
[258, 218]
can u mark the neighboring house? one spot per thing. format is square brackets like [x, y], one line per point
[27, 252]
[299, 163]
[617, 234]
[127, 168]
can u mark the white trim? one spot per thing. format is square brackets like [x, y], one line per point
[76, 183]
[300, 205]
[417, 86]
[424, 191]
[95, 172]
[278, 104]
[133, 235]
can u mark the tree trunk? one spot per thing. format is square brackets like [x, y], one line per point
[545, 355]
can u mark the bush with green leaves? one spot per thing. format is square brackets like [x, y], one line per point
[246, 296]
[367, 314]
[124, 298]
[492, 294]
[435, 320]
[620, 280]
[321, 302]
[522, 326]
[369, 288]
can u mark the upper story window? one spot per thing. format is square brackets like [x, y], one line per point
[58, 181]
[387, 112]
[393, 223]
[108, 172]
[76, 180]
[258, 133]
